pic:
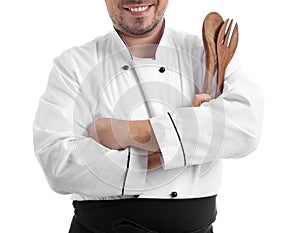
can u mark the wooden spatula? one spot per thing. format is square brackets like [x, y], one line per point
[210, 29]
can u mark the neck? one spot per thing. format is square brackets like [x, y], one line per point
[144, 46]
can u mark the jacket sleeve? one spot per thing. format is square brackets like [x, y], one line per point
[226, 127]
[71, 161]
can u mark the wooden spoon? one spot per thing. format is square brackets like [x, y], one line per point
[210, 29]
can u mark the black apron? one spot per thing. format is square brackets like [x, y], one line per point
[141, 215]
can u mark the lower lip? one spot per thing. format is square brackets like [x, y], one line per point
[139, 13]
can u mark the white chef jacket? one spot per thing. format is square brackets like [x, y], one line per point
[102, 79]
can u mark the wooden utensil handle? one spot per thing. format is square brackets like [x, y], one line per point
[209, 73]
[220, 80]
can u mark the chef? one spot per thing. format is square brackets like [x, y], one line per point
[124, 128]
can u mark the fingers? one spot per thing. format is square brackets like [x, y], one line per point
[199, 99]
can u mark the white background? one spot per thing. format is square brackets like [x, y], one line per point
[259, 193]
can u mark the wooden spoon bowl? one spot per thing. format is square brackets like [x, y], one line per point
[210, 29]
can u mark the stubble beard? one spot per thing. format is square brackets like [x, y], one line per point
[136, 30]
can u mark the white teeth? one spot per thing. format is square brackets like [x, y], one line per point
[139, 9]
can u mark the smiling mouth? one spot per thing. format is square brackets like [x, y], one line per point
[138, 8]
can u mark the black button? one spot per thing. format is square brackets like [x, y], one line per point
[136, 196]
[125, 67]
[174, 194]
[162, 69]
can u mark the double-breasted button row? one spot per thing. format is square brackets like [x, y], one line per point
[161, 69]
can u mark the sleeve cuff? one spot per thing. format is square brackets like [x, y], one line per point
[169, 140]
[136, 173]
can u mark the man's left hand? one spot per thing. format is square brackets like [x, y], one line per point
[199, 99]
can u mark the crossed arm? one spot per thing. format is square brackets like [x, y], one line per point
[118, 134]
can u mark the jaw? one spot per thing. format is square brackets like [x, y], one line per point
[137, 20]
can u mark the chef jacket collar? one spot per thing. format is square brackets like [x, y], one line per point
[122, 46]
